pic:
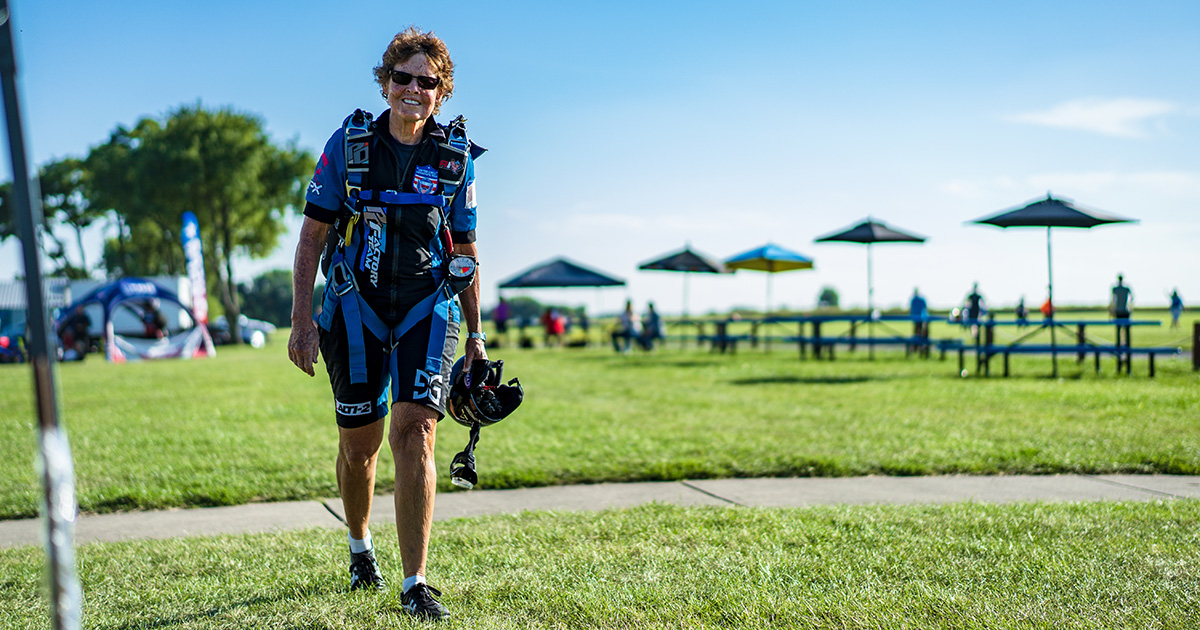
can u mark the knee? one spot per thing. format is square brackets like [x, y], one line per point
[358, 455]
[357, 448]
[409, 429]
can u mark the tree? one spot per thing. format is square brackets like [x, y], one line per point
[64, 202]
[525, 307]
[117, 171]
[51, 245]
[269, 297]
[8, 222]
[828, 298]
[219, 164]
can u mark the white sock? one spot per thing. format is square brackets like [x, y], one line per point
[359, 546]
[412, 581]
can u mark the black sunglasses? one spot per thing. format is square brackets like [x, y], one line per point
[403, 78]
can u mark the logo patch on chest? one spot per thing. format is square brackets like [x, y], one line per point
[425, 180]
[375, 233]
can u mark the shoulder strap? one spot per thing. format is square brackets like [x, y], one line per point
[453, 153]
[357, 130]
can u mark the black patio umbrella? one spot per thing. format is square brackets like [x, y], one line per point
[687, 262]
[560, 272]
[868, 233]
[1051, 213]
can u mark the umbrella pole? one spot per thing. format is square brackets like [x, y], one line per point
[686, 275]
[870, 305]
[770, 277]
[1050, 297]
[683, 337]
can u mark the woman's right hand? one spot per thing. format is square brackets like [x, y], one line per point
[303, 346]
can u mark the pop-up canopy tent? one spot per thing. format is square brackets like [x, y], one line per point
[141, 320]
[560, 272]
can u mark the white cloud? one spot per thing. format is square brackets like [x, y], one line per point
[1121, 117]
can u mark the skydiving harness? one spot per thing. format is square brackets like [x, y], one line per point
[368, 211]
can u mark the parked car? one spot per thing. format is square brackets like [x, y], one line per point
[254, 332]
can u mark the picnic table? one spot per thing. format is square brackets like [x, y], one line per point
[723, 340]
[985, 346]
[823, 344]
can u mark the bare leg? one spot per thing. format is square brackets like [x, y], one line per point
[357, 452]
[411, 438]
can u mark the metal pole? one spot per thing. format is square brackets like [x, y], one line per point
[54, 462]
[870, 304]
[685, 294]
[1050, 297]
[770, 277]
[1196, 346]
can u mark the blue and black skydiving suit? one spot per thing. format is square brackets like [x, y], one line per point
[385, 257]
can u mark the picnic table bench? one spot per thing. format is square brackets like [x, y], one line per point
[826, 345]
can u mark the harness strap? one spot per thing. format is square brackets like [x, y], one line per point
[452, 158]
[400, 198]
[343, 295]
[358, 129]
[462, 467]
[342, 290]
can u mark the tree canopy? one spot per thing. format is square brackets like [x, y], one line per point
[64, 202]
[219, 164]
[8, 222]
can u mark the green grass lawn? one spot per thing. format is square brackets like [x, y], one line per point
[1090, 565]
[247, 426]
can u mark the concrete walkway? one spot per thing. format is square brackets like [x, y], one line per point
[265, 517]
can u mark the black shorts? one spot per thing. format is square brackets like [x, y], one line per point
[360, 404]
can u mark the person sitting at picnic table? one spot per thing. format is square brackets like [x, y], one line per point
[1176, 308]
[1120, 307]
[628, 329]
[1022, 313]
[652, 328]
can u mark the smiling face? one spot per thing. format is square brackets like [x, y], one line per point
[412, 103]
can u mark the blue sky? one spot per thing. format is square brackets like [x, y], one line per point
[623, 130]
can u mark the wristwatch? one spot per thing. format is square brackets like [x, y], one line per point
[477, 335]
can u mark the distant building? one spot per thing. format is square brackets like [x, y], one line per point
[13, 304]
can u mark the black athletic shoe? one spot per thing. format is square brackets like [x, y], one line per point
[364, 571]
[419, 602]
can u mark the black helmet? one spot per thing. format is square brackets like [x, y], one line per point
[477, 396]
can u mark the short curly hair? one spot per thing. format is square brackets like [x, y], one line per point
[405, 46]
